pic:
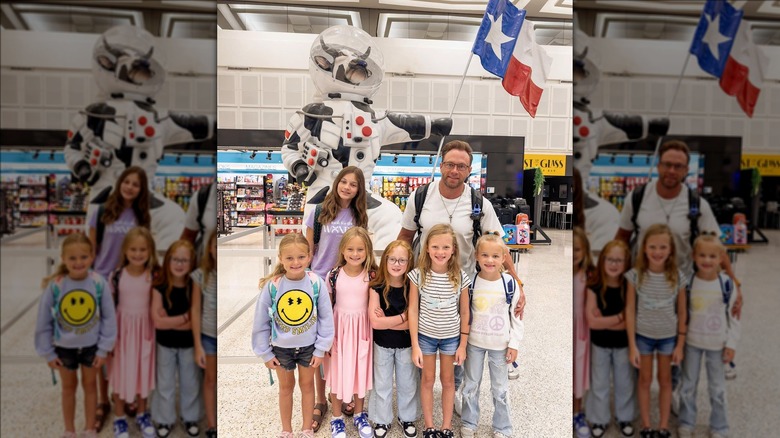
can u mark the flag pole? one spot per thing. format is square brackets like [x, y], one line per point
[668, 113]
[452, 111]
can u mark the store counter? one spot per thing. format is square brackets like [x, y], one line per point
[733, 249]
[515, 251]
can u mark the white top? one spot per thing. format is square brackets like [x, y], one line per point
[652, 211]
[494, 327]
[712, 326]
[439, 316]
[209, 218]
[436, 210]
[656, 304]
[601, 223]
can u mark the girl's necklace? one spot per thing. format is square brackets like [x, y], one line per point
[445, 206]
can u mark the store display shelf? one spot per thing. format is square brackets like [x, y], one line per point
[250, 184]
[34, 211]
[251, 196]
[42, 197]
[251, 211]
[68, 212]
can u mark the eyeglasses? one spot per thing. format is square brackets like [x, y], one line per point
[181, 261]
[676, 166]
[447, 166]
[614, 261]
[395, 261]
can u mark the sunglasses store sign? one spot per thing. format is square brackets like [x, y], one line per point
[551, 165]
[767, 165]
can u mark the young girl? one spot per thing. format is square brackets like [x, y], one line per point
[348, 370]
[126, 207]
[343, 208]
[76, 327]
[171, 303]
[655, 284]
[494, 296]
[583, 268]
[131, 369]
[713, 332]
[438, 296]
[387, 305]
[604, 310]
[204, 327]
[293, 327]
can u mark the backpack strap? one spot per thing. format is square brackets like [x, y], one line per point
[726, 288]
[101, 226]
[476, 215]
[315, 287]
[471, 299]
[203, 196]
[693, 214]
[115, 276]
[317, 224]
[419, 199]
[56, 288]
[333, 275]
[98, 290]
[636, 201]
[273, 288]
[509, 287]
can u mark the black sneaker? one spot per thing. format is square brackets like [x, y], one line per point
[211, 433]
[163, 430]
[626, 428]
[192, 428]
[647, 433]
[380, 430]
[597, 430]
[446, 433]
[663, 433]
[408, 427]
[430, 433]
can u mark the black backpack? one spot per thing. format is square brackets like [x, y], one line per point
[476, 213]
[317, 224]
[693, 210]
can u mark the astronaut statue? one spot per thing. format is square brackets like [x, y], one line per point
[343, 130]
[124, 128]
[594, 128]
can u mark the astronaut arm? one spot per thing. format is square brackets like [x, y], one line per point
[92, 138]
[186, 128]
[616, 127]
[399, 127]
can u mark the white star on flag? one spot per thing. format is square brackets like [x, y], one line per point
[713, 37]
[495, 36]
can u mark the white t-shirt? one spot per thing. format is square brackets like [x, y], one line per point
[601, 223]
[712, 325]
[209, 218]
[652, 211]
[436, 210]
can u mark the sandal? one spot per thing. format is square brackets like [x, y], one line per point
[101, 413]
[317, 418]
[131, 409]
[348, 409]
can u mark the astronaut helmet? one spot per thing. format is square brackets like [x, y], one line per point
[344, 59]
[586, 74]
[123, 62]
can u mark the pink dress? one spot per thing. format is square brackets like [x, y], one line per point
[581, 337]
[131, 371]
[348, 370]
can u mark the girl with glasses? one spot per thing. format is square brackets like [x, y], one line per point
[171, 303]
[605, 312]
[387, 306]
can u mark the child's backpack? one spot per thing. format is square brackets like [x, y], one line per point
[274, 288]
[116, 274]
[510, 285]
[333, 275]
[56, 288]
[726, 288]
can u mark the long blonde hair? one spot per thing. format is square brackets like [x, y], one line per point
[453, 264]
[670, 265]
[600, 279]
[62, 269]
[207, 263]
[383, 280]
[369, 264]
[331, 206]
[165, 278]
[290, 239]
[152, 265]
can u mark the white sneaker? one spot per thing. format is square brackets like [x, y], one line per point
[465, 432]
[684, 432]
[730, 370]
[497, 434]
[718, 435]
[458, 401]
[676, 400]
[514, 373]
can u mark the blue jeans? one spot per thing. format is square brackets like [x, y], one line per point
[169, 362]
[499, 385]
[407, 381]
[716, 385]
[603, 360]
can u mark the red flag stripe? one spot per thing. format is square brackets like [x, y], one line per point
[735, 81]
[517, 82]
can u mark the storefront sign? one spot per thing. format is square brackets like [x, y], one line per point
[767, 165]
[551, 165]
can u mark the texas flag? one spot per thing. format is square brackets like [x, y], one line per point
[506, 47]
[723, 48]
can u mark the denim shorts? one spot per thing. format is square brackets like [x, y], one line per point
[209, 344]
[648, 345]
[289, 357]
[431, 345]
[71, 358]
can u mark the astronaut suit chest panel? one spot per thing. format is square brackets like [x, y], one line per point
[584, 128]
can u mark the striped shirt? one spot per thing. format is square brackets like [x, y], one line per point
[656, 314]
[439, 304]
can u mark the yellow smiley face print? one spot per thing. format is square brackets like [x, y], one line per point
[294, 307]
[77, 307]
